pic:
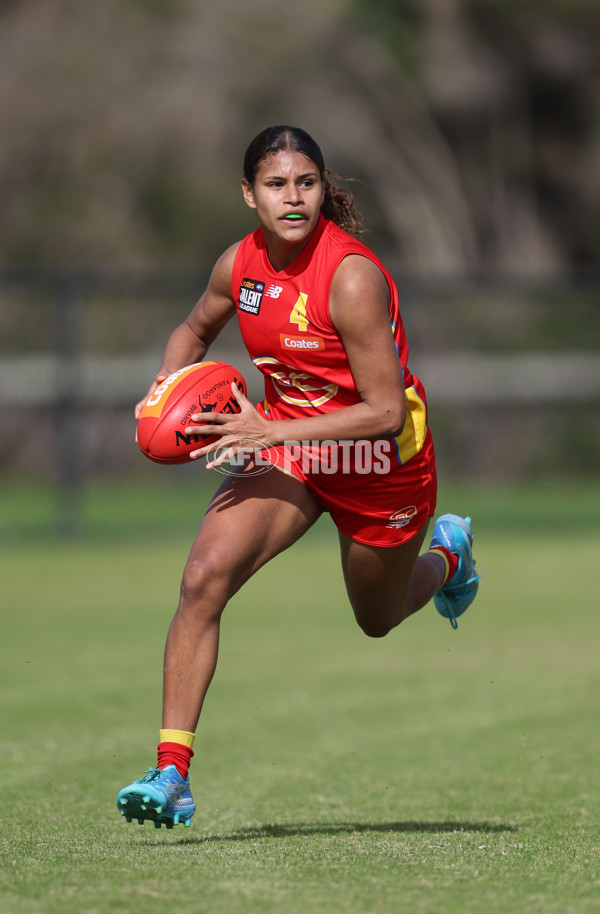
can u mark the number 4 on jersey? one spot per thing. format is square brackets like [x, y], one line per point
[298, 314]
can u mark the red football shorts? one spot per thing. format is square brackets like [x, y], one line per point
[373, 507]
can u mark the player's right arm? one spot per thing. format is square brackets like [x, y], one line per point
[189, 341]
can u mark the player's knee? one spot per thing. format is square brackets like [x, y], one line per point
[205, 582]
[376, 628]
[379, 624]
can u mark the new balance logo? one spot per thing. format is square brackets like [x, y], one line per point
[274, 291]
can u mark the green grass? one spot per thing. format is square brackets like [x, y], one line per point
[432, 771]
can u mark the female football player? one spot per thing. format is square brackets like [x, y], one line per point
[343, 423]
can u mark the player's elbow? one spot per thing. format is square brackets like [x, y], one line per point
[393, 418]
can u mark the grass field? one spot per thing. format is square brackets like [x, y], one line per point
[432, 771]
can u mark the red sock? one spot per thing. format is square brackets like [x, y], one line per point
[175, 754]
[451, 561]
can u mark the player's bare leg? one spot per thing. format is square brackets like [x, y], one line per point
[385, 586]
[250, 520]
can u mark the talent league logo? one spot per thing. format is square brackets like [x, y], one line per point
[251, 295]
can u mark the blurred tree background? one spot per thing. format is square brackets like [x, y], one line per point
[473, 127]
[473, 123]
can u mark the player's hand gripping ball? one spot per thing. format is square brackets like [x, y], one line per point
[203, 387]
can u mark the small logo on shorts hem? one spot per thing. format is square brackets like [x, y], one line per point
[402, 517]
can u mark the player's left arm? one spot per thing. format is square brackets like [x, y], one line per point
[359, 309]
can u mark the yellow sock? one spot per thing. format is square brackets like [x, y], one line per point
[442, 555]
[177, 736]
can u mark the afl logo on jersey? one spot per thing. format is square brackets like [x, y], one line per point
[251, 294]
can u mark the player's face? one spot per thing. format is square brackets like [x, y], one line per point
[287, 196]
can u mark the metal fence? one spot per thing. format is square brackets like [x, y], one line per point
[511, 367]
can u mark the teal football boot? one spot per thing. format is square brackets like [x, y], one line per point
[162, 796]
[460, 590]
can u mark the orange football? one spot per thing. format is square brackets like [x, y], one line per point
[203, 387]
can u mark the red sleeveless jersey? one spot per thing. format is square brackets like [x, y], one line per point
[288, 332]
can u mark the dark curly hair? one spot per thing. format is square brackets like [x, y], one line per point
[338, 204]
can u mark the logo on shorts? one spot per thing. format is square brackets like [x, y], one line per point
[251, 294]
[402, 517]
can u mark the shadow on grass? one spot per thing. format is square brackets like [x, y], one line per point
[294, 830]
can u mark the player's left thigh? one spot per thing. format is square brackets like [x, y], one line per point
[378, 580]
